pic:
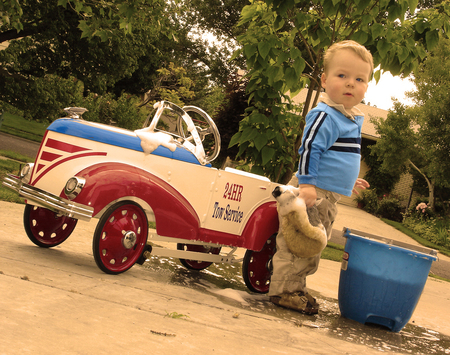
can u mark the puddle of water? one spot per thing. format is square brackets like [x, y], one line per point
[225, 282]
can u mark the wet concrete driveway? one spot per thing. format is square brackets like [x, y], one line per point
[57, 301]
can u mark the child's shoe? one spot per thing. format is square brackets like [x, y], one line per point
[300, 301]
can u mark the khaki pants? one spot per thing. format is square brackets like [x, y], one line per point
[289, 271]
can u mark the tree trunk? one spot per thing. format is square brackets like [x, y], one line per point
[430, 186]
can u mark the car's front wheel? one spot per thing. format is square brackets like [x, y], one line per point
[46, 228]
[120, 237]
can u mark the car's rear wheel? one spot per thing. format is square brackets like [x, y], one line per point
[120, 237]
[46, 228]
[194, 264]
[257, 267]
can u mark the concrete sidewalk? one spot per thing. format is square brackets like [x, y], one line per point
[56, 301]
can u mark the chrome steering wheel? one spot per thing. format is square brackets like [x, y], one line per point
[204, 126]
[191, 136]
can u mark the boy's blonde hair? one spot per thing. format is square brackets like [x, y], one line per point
[352, 45]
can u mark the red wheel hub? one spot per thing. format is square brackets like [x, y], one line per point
[122, 238]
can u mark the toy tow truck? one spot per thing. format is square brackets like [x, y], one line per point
[159, 174]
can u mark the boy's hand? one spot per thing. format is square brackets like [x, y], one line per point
[308, 193]
[360, 183]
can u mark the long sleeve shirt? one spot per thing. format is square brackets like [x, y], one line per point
[330, 153]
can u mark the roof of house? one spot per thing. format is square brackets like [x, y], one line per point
[368, 129]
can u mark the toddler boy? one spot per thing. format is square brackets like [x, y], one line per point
[329, 164]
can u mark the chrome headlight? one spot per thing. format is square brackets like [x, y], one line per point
[74, 186]
[25, 173]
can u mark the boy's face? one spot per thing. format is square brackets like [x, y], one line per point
[347, 78]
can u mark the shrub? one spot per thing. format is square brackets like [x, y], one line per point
[389, 207]
[420, 210]
[123, 112]
[432, 229]
[443, 236]
[369, 200]
[386, 207]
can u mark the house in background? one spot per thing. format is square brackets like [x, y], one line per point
[403, 189]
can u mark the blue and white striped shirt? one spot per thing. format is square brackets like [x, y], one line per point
[330, 154]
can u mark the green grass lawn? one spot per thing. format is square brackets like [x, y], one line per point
[20, 127]
[333, 252]
[416, 237]
[12, 165]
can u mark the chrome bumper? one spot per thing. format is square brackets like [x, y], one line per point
[47, 200]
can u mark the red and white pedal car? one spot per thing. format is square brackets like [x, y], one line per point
[127, 179]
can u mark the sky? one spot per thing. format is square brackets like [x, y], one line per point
[380, 94]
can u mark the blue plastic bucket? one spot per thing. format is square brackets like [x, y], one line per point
[381, 280]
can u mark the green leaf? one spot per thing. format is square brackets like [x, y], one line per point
[249, 134]
[256, 169]
[284, 6]
[236, 54]
[264, 49]
[295, 53]
[377, 30]
[274, 73]
[421, 26]
[279, 23]
[360, 37]
[267, 154]
[299, 65]
[103, 36]
[85, 29]
[383, 48]
[421, 52]
[247, 14]
[235, 139]
[252, 85]
[249, 50]
[363, 4]
[258, 118]
[412, 5]
[290, 78]
[79, 6]
[329, 8]
[242, 148]
[403, 53]
[260, 141]
[432, 39]
[273, 94]
[278, 85]
[275, 111]
[395, 11]
[377, 75]
[282, 57]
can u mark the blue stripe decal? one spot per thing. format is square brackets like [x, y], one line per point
[349, 145]
[356, 140]
[346, 149]
[309, 138]
[113, 136]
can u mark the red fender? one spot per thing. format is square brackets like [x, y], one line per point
[107, 182]
[261, 226]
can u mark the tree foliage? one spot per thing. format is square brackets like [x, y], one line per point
[418, 137]
[49, 39]
[112, 46]
[380, 180]
[229, 114]
[96, 18]
[284, 46]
